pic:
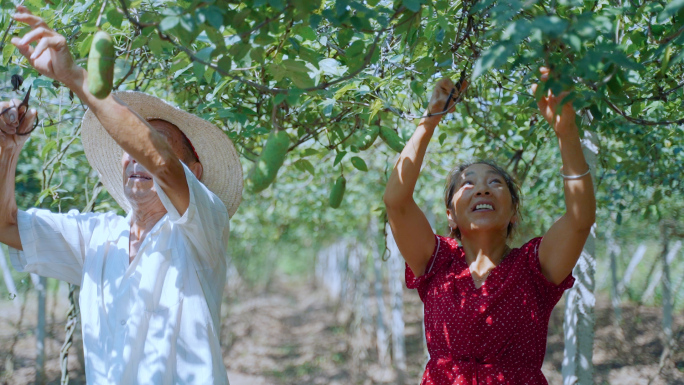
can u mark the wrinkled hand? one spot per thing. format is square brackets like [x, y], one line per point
[441, 93]
[562, 121]
[10, 124]
[50, 56]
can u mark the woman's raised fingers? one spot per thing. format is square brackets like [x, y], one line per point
[445, 84]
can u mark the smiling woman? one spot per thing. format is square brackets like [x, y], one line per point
[458, 178]
[487, 306]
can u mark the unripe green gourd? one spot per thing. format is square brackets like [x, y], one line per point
[367, 138]
[270, 160]
[391, 138]
[337, 192]
[101, 65]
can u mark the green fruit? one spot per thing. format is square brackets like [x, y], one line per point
[367, 138]
[391, 138]
[666, 61]
[270, 160]
[337, 192]
[101, 65]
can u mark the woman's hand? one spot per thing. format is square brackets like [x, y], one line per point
[50, 56]
[562, 121]
[440, 95]
[12, 124]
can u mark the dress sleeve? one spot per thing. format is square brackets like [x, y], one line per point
[549, 292]
[205, 223]
[54, 245]
[444, 249]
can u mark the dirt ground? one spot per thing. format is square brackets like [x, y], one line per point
[296, 335]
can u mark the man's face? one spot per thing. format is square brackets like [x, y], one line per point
[138, 186]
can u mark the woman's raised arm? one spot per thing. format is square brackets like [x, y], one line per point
[563, 242]
[410, 227]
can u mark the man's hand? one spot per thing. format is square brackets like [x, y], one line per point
[11, 124]
[562, 121]
[50, 56]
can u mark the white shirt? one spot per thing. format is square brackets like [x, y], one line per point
[155, 321]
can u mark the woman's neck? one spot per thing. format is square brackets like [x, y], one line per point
[483, 251]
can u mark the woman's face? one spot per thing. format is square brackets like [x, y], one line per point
[482, 202]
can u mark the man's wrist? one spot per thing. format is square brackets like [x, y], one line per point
[77, 81]
[9, 154]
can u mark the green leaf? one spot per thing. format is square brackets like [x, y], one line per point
[574, 41]
[359, 163]
[115, 18]
[279, 99]
[305, 165]
[553, 26]
[412, 5]
[213, 15]
[309, 152]
[7, 52]
[343, 90]
[315, 20]
[49, 146]
[331, 67]
[84, 46]
[225, 63]
[493, 57]
[169, 22]
[339, 157]
[298, 72]
[442, 136]
[670, 10]
[307, 33]
[375, 108]
[155, 45]
[356, 50]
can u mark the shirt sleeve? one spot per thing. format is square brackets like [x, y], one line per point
[549, 292]
[205, 223]
[54, 245]
[442, 254]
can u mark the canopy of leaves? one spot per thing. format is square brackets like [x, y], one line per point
[328, 70]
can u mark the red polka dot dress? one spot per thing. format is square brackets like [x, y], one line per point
[495, 334]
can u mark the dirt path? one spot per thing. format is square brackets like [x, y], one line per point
[289, 338]
[296, 335]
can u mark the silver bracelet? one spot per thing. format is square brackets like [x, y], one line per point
[574, 176]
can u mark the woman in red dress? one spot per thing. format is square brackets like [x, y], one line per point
[487, 306]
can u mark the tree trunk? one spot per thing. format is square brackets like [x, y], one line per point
[579, 319]
[613, 251]
[381, 337]
[396, 267]
[41, 286]
[667, 290]
[9, 281]
[633, 263]
[69, 330]
[650, 290]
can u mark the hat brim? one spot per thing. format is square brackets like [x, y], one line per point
[222, 171]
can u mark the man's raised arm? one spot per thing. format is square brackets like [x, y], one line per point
[11, 124]
[51, 57]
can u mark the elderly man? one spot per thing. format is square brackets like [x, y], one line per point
[152, 282]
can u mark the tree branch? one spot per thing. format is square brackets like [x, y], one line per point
[258, 86]
[642, 122]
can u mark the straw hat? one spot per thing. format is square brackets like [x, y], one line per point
[222, 170]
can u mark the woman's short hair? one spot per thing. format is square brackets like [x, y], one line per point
[455, 175]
